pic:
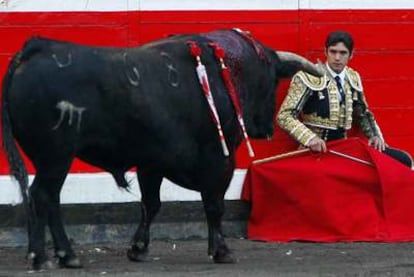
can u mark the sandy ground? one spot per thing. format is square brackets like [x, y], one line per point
[189, 258]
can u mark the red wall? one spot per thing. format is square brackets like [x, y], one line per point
[383, 55]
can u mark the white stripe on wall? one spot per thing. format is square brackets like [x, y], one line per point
[177, 5]
[101, 188]
[356, 4]
[62, 5]
[218, 5]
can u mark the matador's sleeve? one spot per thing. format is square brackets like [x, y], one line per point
[287, 117]
[363, 116]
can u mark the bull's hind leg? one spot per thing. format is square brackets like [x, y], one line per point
[45, 205]
[150, 204]
[63, 249]
[38, 220]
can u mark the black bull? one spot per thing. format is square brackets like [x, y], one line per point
[142, 107]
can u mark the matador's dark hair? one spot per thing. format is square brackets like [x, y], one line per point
[340, 36]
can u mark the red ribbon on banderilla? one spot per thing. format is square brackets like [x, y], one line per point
[225, 73]
[195, 51]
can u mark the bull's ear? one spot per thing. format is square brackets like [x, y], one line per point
[290, 63]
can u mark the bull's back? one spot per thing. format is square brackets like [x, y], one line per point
[110, 106]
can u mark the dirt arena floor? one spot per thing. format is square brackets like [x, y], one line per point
[189, 258]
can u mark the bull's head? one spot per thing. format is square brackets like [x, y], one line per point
[260, 107]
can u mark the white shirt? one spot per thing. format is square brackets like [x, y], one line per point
[334, 74]
[341, 75]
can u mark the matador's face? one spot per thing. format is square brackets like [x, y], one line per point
[337, 56]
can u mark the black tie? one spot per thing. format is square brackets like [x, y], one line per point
[340, 88]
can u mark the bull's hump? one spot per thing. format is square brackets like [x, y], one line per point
[168, 41]
[229, 40]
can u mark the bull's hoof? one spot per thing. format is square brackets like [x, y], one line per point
[70, 262]
[137, 254]
[45, 265]
[40, 262]
[224, 258]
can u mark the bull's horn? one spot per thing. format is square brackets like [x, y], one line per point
[307, 66]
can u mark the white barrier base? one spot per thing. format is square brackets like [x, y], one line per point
[101, 188]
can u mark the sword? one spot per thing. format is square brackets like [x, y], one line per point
[281, 156]
[305, 150]
[350, 157]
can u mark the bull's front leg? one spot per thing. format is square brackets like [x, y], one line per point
[214, 208]
[149, 184]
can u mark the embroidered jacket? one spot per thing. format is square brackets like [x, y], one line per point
[312, 105]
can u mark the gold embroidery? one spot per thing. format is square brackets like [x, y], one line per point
[304, 127]
[288, 114]
[354, 79]
[312, 82]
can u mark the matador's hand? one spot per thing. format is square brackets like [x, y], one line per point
[377, 143]
[317, 145]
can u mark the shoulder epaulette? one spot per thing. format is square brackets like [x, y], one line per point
[313, 82]
[354, 79]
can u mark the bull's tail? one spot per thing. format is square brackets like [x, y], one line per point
[16, 163]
